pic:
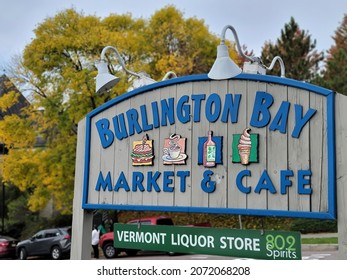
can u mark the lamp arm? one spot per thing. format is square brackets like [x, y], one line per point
[120, 59]
[168, 74]
[253, 59]
[281, 64]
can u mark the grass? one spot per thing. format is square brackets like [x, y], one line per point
[323, 240]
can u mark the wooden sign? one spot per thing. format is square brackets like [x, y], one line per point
[253, 145]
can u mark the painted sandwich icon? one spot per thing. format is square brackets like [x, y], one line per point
[142, 153]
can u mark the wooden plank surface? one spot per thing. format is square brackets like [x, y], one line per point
[277, 156]
[218, 198]
[236, 199]
[184, 198]
[256, 200]
[198, 130]
[318, 150]
[276, 151]
[341, 172]
[298, 150]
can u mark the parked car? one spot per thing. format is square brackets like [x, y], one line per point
[106, 240]
[8, 247]
[54, 243]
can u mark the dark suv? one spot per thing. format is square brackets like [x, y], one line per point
[54, 242]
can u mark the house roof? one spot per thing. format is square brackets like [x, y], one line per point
[6, 86]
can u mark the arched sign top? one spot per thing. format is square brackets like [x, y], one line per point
[203, 77]
[253, 145]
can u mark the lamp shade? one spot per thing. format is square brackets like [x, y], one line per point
[143, 80]
[223, 67]
[104, 80]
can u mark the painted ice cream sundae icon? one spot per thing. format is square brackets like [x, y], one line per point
[244, 146]
[173, 151]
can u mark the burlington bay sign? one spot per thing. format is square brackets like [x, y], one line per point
[253, 145]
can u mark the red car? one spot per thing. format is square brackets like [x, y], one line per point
[106, 240]
[8, 247]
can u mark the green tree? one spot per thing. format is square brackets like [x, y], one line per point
[58, 67]
[297, 50]
[335, 74]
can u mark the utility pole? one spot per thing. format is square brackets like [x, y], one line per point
[2, 192]
[3, 208]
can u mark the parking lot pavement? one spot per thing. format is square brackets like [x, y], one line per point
[319, 247]
[319, 235]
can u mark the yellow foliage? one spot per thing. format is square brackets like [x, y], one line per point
[59, 65]
[16, 132]
[8, 100]
[21, 169]
[39, 199]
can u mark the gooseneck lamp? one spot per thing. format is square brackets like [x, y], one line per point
[105, 81]
[225, 68]
[168, 75]
[280, 61]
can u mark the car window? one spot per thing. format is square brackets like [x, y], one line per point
[143, 222]
[51, 234]
[167, 222]
[146, 222]
[39, 235]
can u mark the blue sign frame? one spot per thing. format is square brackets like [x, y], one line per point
[331, 150]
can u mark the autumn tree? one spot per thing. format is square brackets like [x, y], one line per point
[297, 50]
[334, 75]
[58, 68]
[184, 46]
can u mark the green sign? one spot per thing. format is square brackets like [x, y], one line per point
[256, 244]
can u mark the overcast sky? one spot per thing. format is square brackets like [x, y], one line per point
[256, 21]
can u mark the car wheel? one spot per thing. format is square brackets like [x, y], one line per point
[110, 252]
[22, 254]
[56, 253]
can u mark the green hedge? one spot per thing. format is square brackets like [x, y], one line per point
[236, 221]
[314, 225]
